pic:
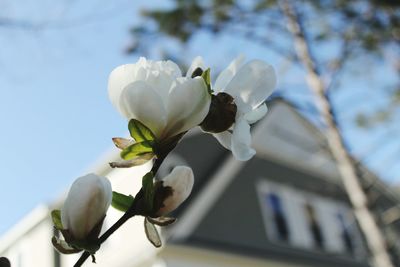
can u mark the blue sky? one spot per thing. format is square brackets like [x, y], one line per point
[54, 110]
[56, 119]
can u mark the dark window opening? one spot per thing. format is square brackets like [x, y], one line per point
[314, 226]
[346, 236]
[278, 217]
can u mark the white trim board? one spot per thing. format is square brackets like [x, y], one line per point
[206, 199]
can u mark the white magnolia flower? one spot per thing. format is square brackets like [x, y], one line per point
[87, 203]
[180, 180]
[249, 84]
[156, 94]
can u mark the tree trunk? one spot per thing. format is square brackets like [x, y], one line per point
[374, 237]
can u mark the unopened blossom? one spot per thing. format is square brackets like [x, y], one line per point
[180, 183]
[156, 94]
[86, 205]
[250, 85]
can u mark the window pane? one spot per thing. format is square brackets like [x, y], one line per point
[314, 226]
[278, 216]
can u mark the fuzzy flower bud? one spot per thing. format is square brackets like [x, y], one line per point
[86, 205]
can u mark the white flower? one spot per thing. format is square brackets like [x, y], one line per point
[87, 203]
[156, 94]
[250, 85]
[180, 181]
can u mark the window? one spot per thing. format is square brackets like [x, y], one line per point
[314, 227]
[279, 217]
[305, 220]
[345, 234]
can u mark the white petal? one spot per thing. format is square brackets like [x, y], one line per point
[196, 63]
[119, 78]
[140, 101]
[87, 202]
[188, 105]
[227, 74]
[256, 114]
[241, 140]
[172, 68]
[224, 138]
[161, 82]
[181, 181]
[252, 84]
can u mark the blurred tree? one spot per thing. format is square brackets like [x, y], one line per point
[303, 32]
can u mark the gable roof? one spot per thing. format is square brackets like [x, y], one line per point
[284, 140]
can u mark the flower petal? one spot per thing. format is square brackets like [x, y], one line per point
[181, 180]
[256, 114]
[224, 138]
[241, 140]
[119, 78]
[188, 105]
[252, 84]
[140, 101]
[171, 68]
[227, 74]
[160, 81]
[196, 63]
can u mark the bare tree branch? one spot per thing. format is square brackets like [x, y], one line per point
[351, 182]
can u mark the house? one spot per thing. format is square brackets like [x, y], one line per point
[283, 208]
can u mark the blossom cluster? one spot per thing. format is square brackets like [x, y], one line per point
[161, 105]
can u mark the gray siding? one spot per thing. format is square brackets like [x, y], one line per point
[235, 222]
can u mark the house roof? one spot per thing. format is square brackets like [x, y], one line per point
[215, 170]
[205, 221]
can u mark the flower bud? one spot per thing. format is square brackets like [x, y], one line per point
[221, 115]
[86, 205]
[174, 189]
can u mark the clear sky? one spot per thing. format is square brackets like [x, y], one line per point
[56, 119]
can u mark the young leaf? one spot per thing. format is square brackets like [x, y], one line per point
[139, 131]
[207, 79]
[139, 160]
[162, 221]
[148, 190]
[137, 149]
[152, 233]
[121, 202]
[122, 143]
[56, 217]
[63, 247]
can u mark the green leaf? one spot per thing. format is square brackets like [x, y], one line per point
[152, 233]
[56, 217]
[140, 132]
[148, 190]
[207, 79]
[121, 202]
[137, 149]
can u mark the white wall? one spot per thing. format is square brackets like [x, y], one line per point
[33, 248]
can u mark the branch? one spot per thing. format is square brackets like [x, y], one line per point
[347, 170]
[339, 65]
